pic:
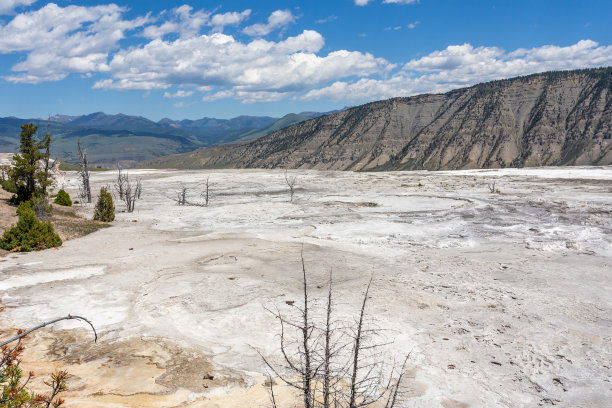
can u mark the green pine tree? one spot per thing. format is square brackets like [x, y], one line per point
[105, 209]
[26, 171]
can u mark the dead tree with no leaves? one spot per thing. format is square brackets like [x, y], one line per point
[181, 196]
[84, 189]
[492, 188]
[46, 182]
[206, 193]
[120, 183]
[334, 366]
[131, 192]
[291, 184]
[4, 172]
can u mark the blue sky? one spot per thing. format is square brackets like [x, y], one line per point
[229, 58]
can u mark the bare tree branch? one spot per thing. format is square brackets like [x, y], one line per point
[328, 373]
[357, 349]
[84, 189]
[40, 326]
[291, 184]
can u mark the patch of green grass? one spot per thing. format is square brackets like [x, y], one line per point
[83, 229]
[59, 211]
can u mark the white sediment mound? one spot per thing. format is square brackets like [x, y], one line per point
[504, 299]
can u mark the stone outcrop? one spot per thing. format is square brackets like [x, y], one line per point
[549, 119]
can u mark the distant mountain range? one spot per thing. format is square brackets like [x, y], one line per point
[548, 119]
[124, 139]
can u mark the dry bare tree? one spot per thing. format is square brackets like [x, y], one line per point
[120, 183]
[181, 197]
[331, 364]
[45, 182]
[206, 193]
[290, 180]
[84, 188]
[138, 188]
[492, 188]
[128, 192]
[4, 172]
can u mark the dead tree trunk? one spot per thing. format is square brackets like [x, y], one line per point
[120, 183]
[206, 192]
[328, 348]
[46, 157]
[306, 329]
[291, 184]
[181, 197]
[84, 190]
[331, 373]
[40, 326]
[128, 193]
[356, 351]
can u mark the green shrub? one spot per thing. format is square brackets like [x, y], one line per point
[105, 209]
[63, 198]
[9, 185]
[30, 233]
[21, 194]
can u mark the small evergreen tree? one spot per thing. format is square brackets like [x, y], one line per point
[30, 233]
[63, 198]
[105, 209]
[26, 172]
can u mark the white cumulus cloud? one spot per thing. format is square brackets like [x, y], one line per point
[278, 19]
[183, 20]
[8, 6]
[464, 65]
[178, 94]
[251, 71]
[219, 21]
[59, 41]
[184, 51]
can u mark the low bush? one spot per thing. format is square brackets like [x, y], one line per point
[21, 194]
[30, 233]
[9, 185]
[63, 199]
[105, 209]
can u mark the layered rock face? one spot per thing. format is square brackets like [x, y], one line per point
[550, 119]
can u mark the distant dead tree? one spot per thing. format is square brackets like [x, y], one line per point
[4, 172]
[84, 189]
[127, 190]
[206, 193]
[120, 183]
[332, 365]
[492, 188]
[46, 182]
[181, 196]
[291, 184]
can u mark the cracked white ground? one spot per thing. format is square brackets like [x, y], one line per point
[503, 299]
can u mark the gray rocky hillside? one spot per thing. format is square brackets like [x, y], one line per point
[555, 118]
